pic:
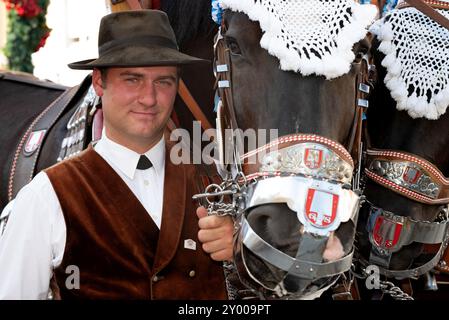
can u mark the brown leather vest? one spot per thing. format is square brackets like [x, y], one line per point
[119, 251]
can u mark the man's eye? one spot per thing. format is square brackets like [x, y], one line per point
[131, 80]
[165, 83]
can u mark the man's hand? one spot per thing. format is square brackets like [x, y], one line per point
[216, 234]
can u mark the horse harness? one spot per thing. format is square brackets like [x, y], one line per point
[319, 161]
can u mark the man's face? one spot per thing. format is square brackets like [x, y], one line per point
[137, 103]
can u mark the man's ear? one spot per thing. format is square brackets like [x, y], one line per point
[97, 82]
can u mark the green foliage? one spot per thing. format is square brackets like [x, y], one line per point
[27, 32]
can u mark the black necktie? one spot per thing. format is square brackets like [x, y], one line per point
[144, 163]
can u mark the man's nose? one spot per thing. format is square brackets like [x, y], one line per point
[147, 95]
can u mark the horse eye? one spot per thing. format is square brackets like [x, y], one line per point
[233, 46]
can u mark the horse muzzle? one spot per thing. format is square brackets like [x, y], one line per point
[321, 207]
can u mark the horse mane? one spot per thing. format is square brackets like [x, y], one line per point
[189, 19]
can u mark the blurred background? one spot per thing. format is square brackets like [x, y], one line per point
[73, 36]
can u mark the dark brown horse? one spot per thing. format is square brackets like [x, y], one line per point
[390, 129]
[272, 241]
[401, 214]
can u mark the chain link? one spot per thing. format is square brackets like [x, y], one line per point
[386, 287]
[394, 291]
[220, 207]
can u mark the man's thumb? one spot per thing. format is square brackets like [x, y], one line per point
[201, 212]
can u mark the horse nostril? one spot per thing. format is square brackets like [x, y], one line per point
[262, 215]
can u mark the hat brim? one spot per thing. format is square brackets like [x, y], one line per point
[138, 57]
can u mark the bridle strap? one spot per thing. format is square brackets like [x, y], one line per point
[224, 78]
[300, 268]
[415, 272]
[402, 172]
[362, 90]
[410, 230]
[428, 8]
[223, 84]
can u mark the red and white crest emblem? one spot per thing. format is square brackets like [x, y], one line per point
[313, 158]
[34, 141]
[386, 232]
[411, 175]
[321, 208]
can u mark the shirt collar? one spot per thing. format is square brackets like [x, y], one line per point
[125, 159]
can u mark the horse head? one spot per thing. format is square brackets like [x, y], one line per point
[407, 158]
[297, 220]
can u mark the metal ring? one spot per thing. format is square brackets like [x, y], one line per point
[217, 188]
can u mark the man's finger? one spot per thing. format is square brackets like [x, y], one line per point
[217, 245]
[212, 222]
[222, 255]
[201, 212]
[206, 235]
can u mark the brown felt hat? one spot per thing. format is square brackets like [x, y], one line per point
[138, 38]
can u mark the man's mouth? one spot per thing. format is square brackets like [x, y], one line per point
[144, 113]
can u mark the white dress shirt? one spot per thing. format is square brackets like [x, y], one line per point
[34, 239]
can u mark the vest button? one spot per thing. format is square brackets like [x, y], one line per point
[155, 279]
[192, 273]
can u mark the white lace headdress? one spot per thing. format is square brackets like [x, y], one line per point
[309, 36]
[416, 52]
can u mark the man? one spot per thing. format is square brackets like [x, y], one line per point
[118, 221]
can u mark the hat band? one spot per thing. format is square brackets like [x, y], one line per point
[142, 41]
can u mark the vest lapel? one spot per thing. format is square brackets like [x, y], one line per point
[172, 212]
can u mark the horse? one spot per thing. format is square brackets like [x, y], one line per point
[284, 248]
[22, 103]
[406, 153]
[23, 98]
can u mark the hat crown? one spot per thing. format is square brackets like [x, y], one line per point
[123, 25]
[140, 38]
